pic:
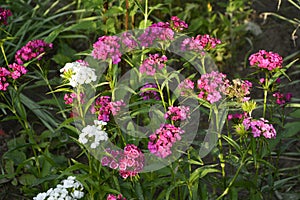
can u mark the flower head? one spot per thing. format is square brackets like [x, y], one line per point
[266, 60]
[259, 127]
[33, 49]
[4, 14]
[239, 89]
[178, 24]
[199, 43]
[4, 74]
[78, 73]
[152, 63]
[282, 99]
[113, 197]
[177, 113]
[186, 87]
[107, 47]
[17, 70]
[147, 93]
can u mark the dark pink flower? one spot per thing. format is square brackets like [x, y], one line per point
[266, 60]
[17, 70]
[152, 63]
[199, 43]
[282, 99]
[259, 127]
[113, 197]
[186, 87]
[4, 14]
[178, 24]
[4, 74]
[177, 113]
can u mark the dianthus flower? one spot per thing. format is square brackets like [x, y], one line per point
[69, 98]
[107, 47]
[177, 113]
[239, 89]
[160, 31]
[94, 134]
[282, 99]
[128, 42]
[69, 189]
[212, 86]
[199, 43]
[113, 197]
[266, 60]
[33, 49]
[17, 70]
[178, 24]
[115, 106]
[78, 73]
[4, 14]
[4, 74]
[161, 142]
[147, 93]
[152, 63]
[186, 87]
[259, 127]
[129, 162]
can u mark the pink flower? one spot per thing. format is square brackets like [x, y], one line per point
[186, 87]
[4, 73]
[178, 24]
[282, 99]
[113, 197]
[266, 60]
[128, 42]
[178, 113]
[259, 127]
[161, 142]
[212, 86]
[4, 14]
[33, 49]
[199, 43]
[107, 47]
[153, 63]
[18, 70]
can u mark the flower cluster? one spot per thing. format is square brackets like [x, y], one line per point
[70, 189]
[239, 89]
[4, 14]
[4, 74]
[199, 43]
[33, 49]
[160, 31]
[161, 142]
[104, 107]
[17, 70]
[128, 42]
[186, 87]
[94, 134]
[212, 85]
[113, 197]
[152, 63]
[259, 127]
[78, 73]
[129, 162]
[266, 60]
[107, 47]
[178, 24]
[282, 99]
[177, 113]
[147, 93]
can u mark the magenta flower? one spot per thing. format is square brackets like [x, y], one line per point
[128, 42]
[186, 87]
[17, 70]
[33, 49]
[69, 98]
[266, 60]
[161, 142]
[199, 43]
[177, 113]
[129, 162]
[282, 99]
[115, 106]
[178, 24]
[113, 197]
[102, 108]
[4, 14]
[152, 63]
[147, 94]
[4, 74]
[107, 47]
[212, 86]
[259, 127]
[160, 31]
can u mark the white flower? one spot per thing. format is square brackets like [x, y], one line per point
[93, 133]
[40, 196]
[78, 73]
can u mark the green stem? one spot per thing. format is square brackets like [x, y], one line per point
[3, 53]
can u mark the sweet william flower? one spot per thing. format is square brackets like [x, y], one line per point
[4, 74]
[153, 63]
[266, 60]
[113, 197]
[4, 14]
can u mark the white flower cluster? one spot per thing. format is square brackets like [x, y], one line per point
[94, 132]
[78, 73]
[70, 189]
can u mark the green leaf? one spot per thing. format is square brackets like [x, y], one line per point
[291, 129]
[27, 179]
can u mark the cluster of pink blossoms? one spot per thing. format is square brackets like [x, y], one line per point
[4, 75]
[186, 87]
[4, 14]
[266, 60]
[107, 47]
[148, 94]
[113, 197]
[161, 142]
[199, 43]
[177, 113]
[178, 24]
[259, 127]
[69, 98]
[33, 49]
[282, 99]
[212, 86]
[129, 162]
[128, 42]
[152, 63]
[104, 107]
